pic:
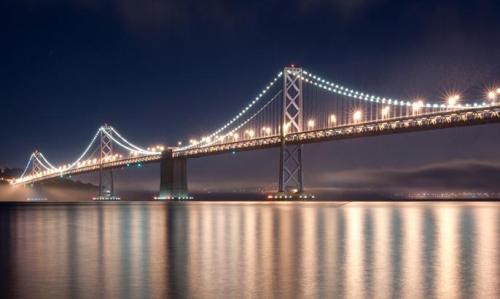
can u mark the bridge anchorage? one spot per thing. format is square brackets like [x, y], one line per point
[173, 177]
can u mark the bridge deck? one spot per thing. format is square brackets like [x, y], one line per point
[432, 121]
[469, 117]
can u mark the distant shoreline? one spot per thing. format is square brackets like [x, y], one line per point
[249, 201]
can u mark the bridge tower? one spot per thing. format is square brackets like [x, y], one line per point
[36, 164]
[292, 121]
[37, 168]
[106, 182]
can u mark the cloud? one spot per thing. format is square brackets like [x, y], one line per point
[156, 15]
[347, 9]
[463, 175]
[152, 15]
[455, 176]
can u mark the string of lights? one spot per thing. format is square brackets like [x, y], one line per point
[27, 165]
[231, 132]
[352, 107]
[118, 142]
[356, 94]
[49, 168]
[240, 114]
[86, 149]
[136, 148]
[41, 163]
[46, 161]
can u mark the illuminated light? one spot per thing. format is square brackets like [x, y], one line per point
[286, 127]
[341, 90]
[385, 111]
[492, 94]
[266, 130]
[310, 124]
[250, 133]
[453, 100]
[416, 106]
[333, 119]
[357, 116]
[244, 110]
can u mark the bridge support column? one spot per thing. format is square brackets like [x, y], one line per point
[173, 177]
[106, 180]
[291, 169]
[292, 121]
[37, 192]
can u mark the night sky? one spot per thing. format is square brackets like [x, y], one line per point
[162, 71]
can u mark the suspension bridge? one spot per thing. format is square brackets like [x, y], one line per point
[295, 108]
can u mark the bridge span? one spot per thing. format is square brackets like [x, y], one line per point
[303, 109]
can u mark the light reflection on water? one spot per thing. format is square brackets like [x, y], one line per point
[250, 250]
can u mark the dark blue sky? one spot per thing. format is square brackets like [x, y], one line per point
[161, 71]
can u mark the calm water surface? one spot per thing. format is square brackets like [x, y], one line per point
[250, 250]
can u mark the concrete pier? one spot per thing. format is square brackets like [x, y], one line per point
[173, 176]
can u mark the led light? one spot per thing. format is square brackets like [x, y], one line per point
[453, 100]
[417, 106]
[257, 98]
[310, 124]
[385, 111]
[286, 127]
[333, 119]
[492, 95]
[250, 133]
[357, 116]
